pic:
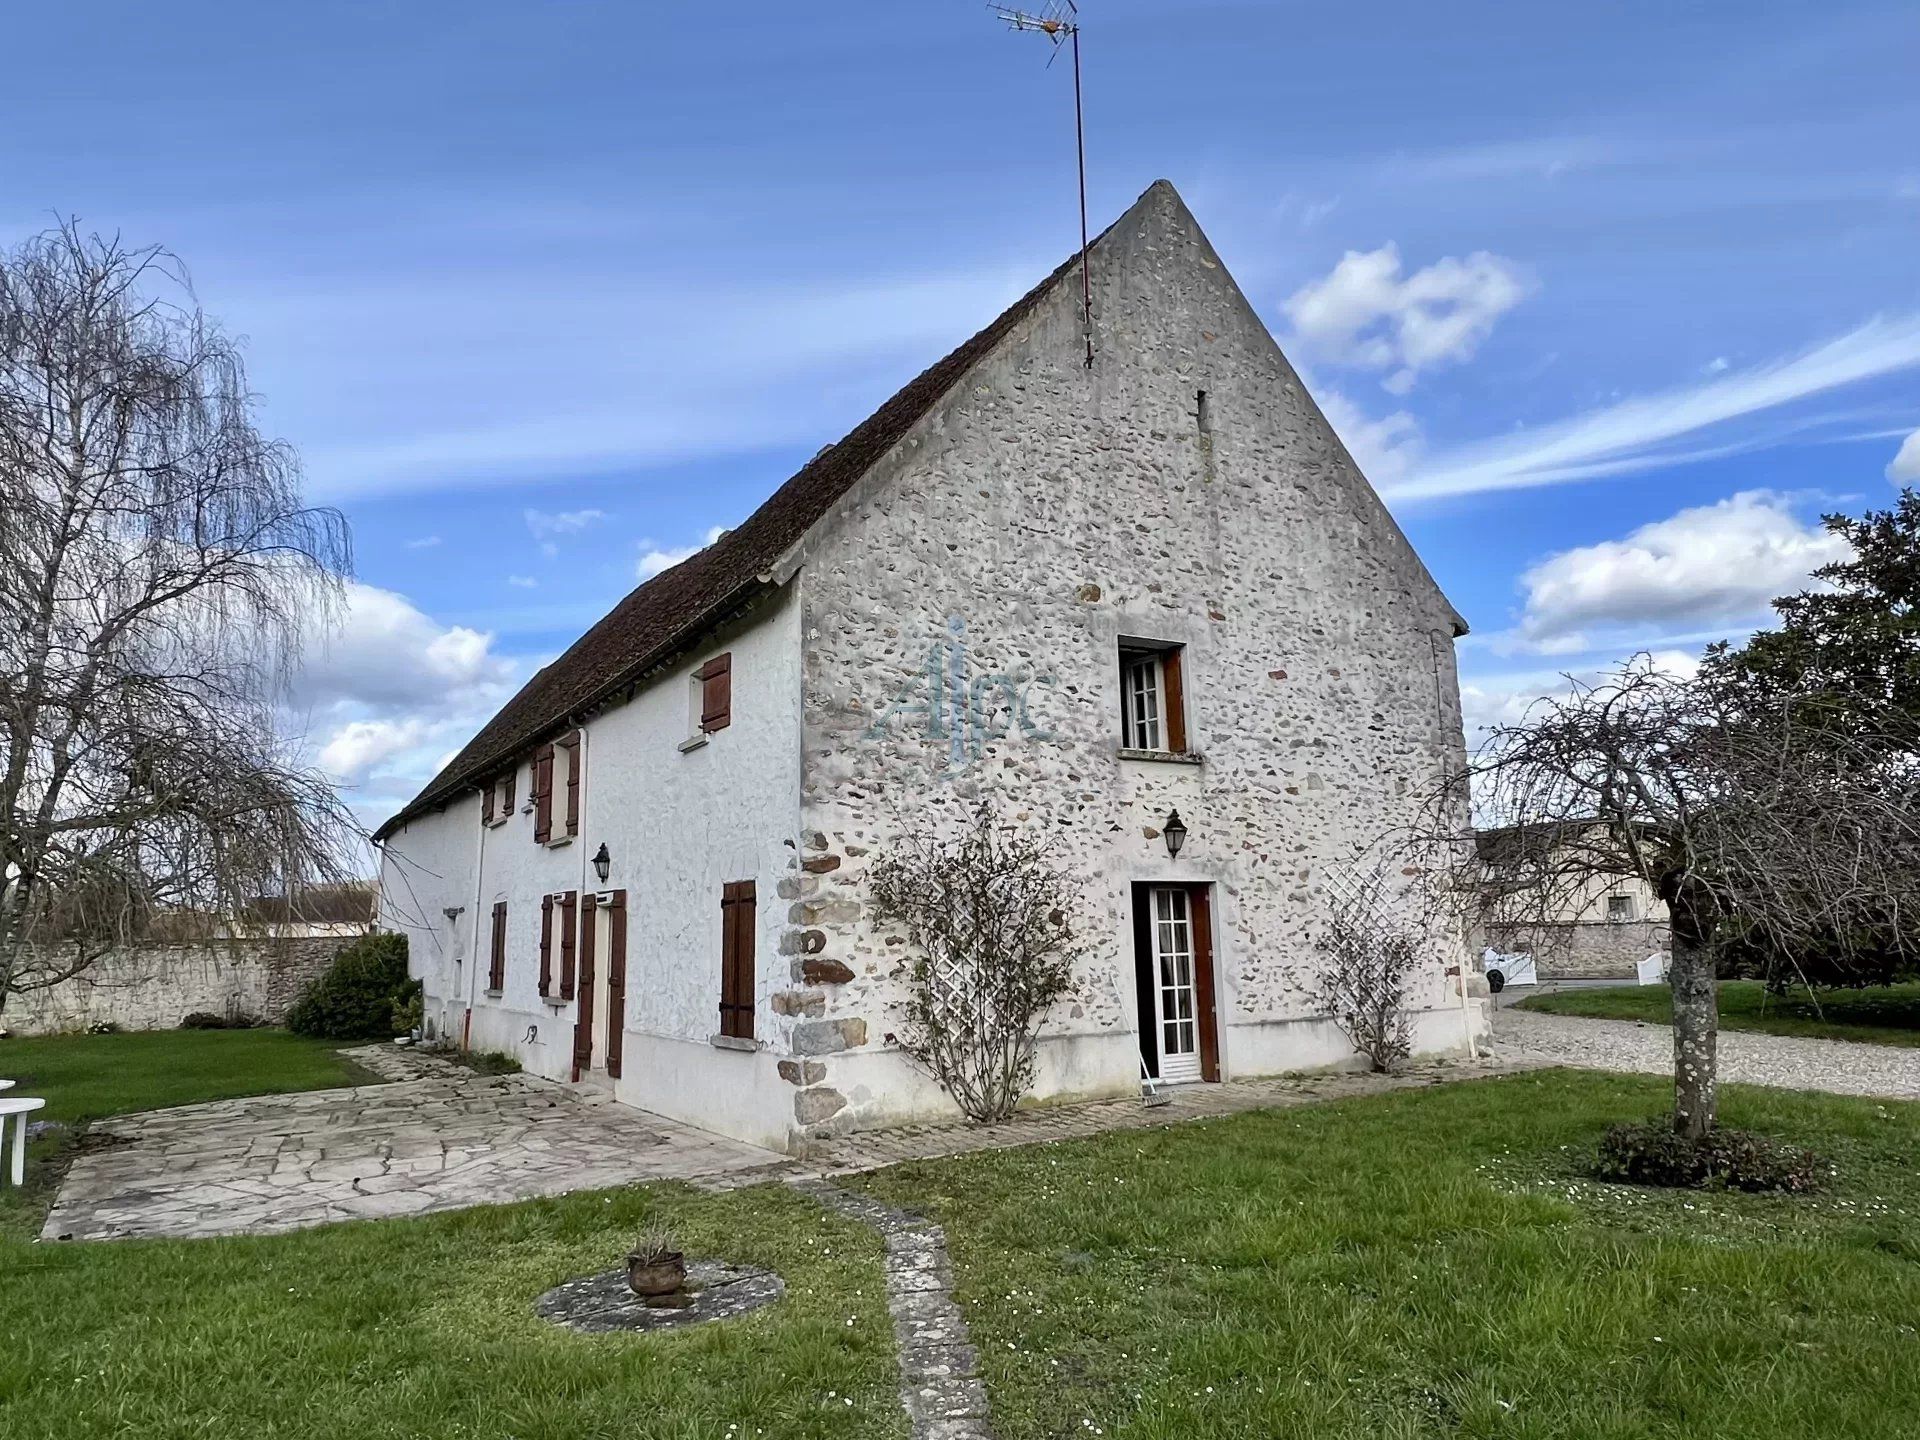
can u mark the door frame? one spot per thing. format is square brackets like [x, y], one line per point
[1146, 980]
[586, 993]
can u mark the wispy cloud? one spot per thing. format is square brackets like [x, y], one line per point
[1639, 433]
[654, 559]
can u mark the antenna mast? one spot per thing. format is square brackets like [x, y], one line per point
[1059, 21]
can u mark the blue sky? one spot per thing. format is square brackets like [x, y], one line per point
[540, 291]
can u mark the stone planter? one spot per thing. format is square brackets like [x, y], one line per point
[652, 1276]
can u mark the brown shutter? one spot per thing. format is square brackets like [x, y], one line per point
[497, 966]
[736, 959]
[486, 804]
[572, 746]
[506, 804]
[546, 945]
[583, 1014]
[569, 904]
[1174, 699]
[716, 693]
[616, 980]
[543, 794]
[1200, 899]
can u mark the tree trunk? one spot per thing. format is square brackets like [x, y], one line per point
[1696, 1025]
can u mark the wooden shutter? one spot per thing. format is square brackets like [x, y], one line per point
[543, 794]
[1200, 898]
[486, 804]
[506, 803]
[716, 692]
[497, 960]
[546, 945]
[616, 980]
[571, 745]
[1173, 700]
[569, 905]
[737, 908]
[583, 1013]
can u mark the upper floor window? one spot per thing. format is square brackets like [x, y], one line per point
[1621, 907]
[1153, 698]
[557, 765]
[711, 706]
[496, 800]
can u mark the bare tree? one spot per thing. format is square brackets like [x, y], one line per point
[1751, 824]
[987, 915]
[1376, 942]
[157, 570]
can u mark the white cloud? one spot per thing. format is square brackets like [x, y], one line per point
[1904, 468]
[1366, 313]
[359, 745]
[1384, 449]
[653, 559]
[523, 582]
[1634, 434]
[1707, 565]
[424, 542]
[386, 655]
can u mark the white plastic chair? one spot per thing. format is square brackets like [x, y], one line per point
[19, 1107]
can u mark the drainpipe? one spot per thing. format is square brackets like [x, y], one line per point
[473, 957]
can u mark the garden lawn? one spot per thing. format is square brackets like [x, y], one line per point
[1880, 1015]
[89, 1077]
[1433, 1263]
[423, 1329]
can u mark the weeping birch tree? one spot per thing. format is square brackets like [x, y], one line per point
[157, 570]
[1755, 823]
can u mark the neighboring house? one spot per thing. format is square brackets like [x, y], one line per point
[1086, 596]
[1599, 927]
[326, 912]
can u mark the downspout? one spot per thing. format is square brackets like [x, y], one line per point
[473, 958]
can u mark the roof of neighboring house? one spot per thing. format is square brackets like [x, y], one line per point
[661, 617]
[333, 905]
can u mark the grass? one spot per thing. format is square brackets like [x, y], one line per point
[1434, 1264]
[1880, 1015]
[423, 1329]
[89, 1077]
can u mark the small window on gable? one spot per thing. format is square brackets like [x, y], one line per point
[1153, 698]
[1620, 908]
[713, 695]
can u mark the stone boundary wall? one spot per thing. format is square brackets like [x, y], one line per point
[1592, 950]
[153, 987]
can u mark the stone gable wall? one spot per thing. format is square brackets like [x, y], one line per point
[962, 621]
[154, 987]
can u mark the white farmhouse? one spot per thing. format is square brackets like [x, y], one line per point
[1088, 596]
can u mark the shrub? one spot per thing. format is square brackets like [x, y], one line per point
[487, 1062]
[410, 1012]
[354, 998]
[1653, 1153]
[207, 1020]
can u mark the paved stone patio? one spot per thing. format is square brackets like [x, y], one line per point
[284, 1162]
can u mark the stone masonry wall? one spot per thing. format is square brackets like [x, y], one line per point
[154, 987]
[962, 624]
[1599, 950]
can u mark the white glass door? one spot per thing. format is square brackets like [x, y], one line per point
[1174, 972]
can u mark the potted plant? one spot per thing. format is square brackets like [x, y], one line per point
[655, 1267]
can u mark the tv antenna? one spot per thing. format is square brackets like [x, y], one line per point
[1059, 21]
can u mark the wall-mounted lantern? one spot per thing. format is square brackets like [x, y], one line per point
[602, 861]
[1175, 832]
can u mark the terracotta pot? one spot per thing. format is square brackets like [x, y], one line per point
[654, 1275]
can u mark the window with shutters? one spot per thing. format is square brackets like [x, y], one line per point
[710, 706]
[496, 799]
[1153, 699]
[497, 955]
[737, 908]
[558, 775]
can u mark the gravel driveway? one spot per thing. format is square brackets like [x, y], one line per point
[1840, 1066]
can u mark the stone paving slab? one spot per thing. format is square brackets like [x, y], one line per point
[270, 1164]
